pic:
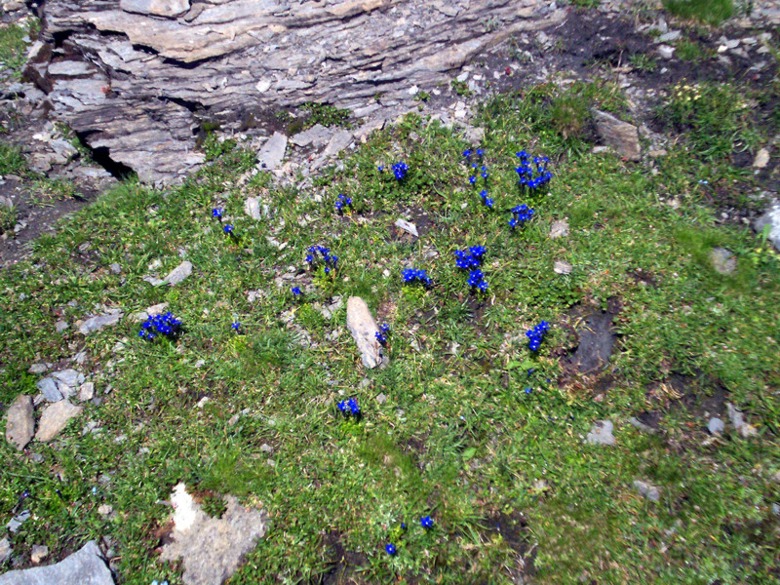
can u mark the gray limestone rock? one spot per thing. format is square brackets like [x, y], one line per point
[252, 208]
[270, 156]
[363, 328]
[715, 426]
[85, 567]
[227, 60]
[621, 136]
[770, 221]
[97, 323]
[737, 419]
[178, 274]
[5, 550]
[54, 419]
[723, 261]
[559, 229]
[647, 490]
[562, 267]
[19, 422]
[49, 389]
[167, 8]
[339, 142]
[407, 226]
[317, 136]
[211, 549]
[601, 433]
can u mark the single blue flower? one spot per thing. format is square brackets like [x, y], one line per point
[403, 525]
[216, 213]
[228, 229]
[480, 153]
[381, 168]
[342, 406]
[390, 549]
[528, 390]
[296, 291]
[426, 522]
[235, 326]
[473, 180]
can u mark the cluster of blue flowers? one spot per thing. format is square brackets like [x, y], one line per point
[412, 275]
[486, 201]
[166, 325]
[476, 164]
[520, 214]
[349, 408]
[533, 173]
[425, 521]
[399, 170]
[471, 260]
[343, 202]
[536, 335]
[321, 255]
[381, 335]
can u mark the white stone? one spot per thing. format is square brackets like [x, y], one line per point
[270, 156]
[559, 229]
[20, 423]
[601, 433]
[562, 267]
[762, 159]
[363, 328]
[665, 51]
[407, 226]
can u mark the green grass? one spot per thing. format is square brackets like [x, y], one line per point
[11, 160]
[456, 436]
[712, 12]
[12, 48]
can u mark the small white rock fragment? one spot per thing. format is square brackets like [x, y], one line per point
[178, 274]
[665, 51]
[562, 267]
[38, 553]
[762, 159]
[407, 226]
[559, 229]
[601, 433]
[647, 490]
[363, 328]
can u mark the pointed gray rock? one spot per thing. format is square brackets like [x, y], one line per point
[19, 422]
[363, 328]
[50, 390]
[317, 136]
[178, 274]
[407, 226]
[770, 221]
[271, 154]
[621, 136]
[55, 417]
[85, 567]
[94, 324]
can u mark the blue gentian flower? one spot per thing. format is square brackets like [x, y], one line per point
[467, 154]
[343, 202]
[413, 275]
[399, 170]
[536, 335]
[480, 153]
[296, 291]
[216, 213]
[426, 522]
[342, 406]
[529, 390]
[473, 180]
[532, 173]
[381, 335]
[381, 168]
[403, 525]
[229, 229]
[520, 215]
[166, 325]
[390, 549]
[354, 409]
[321, 256]
[235, 326]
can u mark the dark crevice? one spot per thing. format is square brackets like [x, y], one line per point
[102, 157]
[194, 107]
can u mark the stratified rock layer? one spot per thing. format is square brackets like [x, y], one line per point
[139, 82]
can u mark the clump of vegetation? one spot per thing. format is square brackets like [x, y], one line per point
[711, 12]
[11, 160]
[13, 44]
[715, 118]
[8, 215]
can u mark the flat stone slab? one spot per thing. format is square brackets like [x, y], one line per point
[85, 567]
[178, 274]
[97, 323]
[270, 156]
[55, 417]
[211, 549]
[20, 422]
[363, 328]
[601, 433]
[770, 221]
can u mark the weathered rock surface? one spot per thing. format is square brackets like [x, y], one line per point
[559, 229]
[138, 78]
[621, 136]
[85, 567]
[20, 423]
[271, 154]
[178, 274]
[601, 433]
[363, 328]
[770, 221]
[97, 323]
[211, 549]
[648, 490]
[54, 418]
[723, 261]
[5, 550]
